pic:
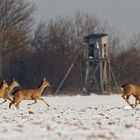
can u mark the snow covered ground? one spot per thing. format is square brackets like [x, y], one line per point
[71, 118]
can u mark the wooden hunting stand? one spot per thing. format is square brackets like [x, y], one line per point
[98, 71]
[97, 59]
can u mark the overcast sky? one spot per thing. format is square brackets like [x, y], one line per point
[122, 15]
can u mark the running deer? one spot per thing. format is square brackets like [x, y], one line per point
[3, 87]
[8, 90]
[131, 89]
[30, 94]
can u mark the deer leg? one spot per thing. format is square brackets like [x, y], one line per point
[9, 98]
[127, 99]
[35, 101]
[3, 101]
[44, 102]
[136, 102]
[11, 103]
[15, 101]
[17, 104]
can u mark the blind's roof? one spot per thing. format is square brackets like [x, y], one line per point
[95, 36]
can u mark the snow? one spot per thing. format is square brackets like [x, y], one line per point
[128, 107]
[71, 118]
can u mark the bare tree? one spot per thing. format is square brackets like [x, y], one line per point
[65, 35]
[40, 38]
[15, 26]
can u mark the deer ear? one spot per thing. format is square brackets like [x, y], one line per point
[3, 81]
[44, 79]
[13, 79]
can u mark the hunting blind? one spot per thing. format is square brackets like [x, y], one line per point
[97, 59]
[98, 71]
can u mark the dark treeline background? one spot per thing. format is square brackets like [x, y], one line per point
[29, 52]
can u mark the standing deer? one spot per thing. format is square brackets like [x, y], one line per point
[3, 87]
[131, 89]
[8, 90]
[30, 94]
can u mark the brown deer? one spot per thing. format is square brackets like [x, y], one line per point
[3, 87]
[131, 89]
[8, 90]
[30, 94]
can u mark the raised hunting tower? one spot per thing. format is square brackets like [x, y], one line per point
[97, 59]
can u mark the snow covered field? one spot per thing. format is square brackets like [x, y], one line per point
[71, 118]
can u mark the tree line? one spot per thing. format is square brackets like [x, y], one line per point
[28, 52]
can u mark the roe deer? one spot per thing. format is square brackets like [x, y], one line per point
[8, 90]
[29, 94]
[131, 89]
[3, 87]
